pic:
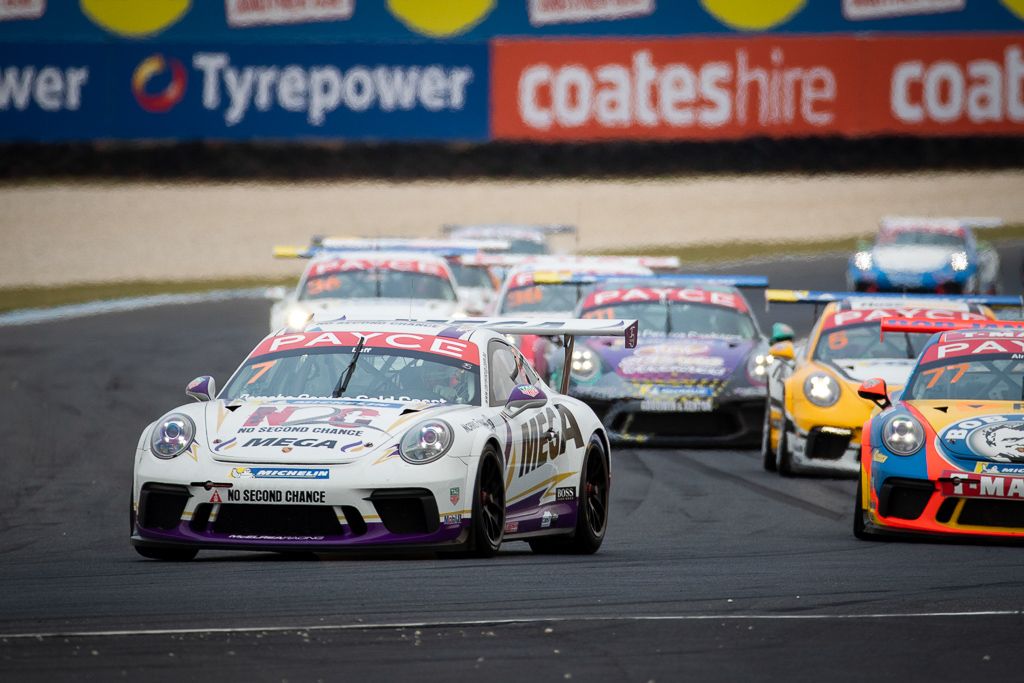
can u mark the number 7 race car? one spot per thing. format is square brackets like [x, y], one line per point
[359, 434]
[948, 457]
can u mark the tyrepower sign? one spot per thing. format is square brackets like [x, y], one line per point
[712, 89]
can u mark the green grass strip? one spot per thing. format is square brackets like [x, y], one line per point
[47, 297]
[710, 252]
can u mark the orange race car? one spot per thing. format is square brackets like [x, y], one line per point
[948, 457]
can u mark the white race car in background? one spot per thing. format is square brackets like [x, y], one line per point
[369, 284]
[360, 434]
[522, 239]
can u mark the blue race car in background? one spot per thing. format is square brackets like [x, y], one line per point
[926, 255]
[698, 375]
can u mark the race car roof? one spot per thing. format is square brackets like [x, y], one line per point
[441, 247]
[508, 231]
[573, 273]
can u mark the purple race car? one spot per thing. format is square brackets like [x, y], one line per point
[698, 374]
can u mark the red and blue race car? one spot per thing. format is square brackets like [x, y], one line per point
[947, 457]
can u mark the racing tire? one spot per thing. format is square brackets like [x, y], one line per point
[167, 554]
[860, 529]
[592, 505]
[767, 454]
[487, 529]
[784, 457]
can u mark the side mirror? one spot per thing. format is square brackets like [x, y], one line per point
[782, 350]
[876, 391]
[202, 388]
[523, 397]
[781, 333]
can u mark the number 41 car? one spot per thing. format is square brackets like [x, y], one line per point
[352, 435]
[947, 458]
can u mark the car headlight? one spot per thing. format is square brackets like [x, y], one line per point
[172, 436]
[863, 260]
[585, 364]
[959, 261]
[298, 318]
[821, 389]
[757, 367]
[426, 442]
[902, 434]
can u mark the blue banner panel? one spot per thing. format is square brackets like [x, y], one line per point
[397, 21]
[245, 92]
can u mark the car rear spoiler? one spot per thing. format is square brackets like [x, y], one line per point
[805, 296]
[439, 247]
[567, 328]
[556, 229]
[687, 279]
[930, 326]
[973, 222]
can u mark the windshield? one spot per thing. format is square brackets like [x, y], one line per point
[857, 342]
[380, 373]
[541, 298]
[677, 317]
[471, 276]
[369, 284]
[996, 378]
[925, 238]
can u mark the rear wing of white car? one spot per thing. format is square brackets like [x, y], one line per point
[567, 328]
[439, 247]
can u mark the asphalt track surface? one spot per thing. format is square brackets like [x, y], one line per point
[712, 569]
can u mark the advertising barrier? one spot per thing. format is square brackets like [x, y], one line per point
[776, 86]
[169, 91]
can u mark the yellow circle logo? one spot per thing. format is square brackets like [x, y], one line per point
[135, 18]
[1015, 6]
[440, 18]
[753, 15]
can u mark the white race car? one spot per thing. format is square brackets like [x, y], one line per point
[360, 434]
[369, 284]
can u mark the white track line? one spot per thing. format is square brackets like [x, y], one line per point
[501, 622]
[30, 316]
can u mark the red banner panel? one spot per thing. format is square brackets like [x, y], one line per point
[727, 88]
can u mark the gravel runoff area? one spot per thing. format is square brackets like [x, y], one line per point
[62, 233]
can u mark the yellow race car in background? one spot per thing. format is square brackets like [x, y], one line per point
[813, 418]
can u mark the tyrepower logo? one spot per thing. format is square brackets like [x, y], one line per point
[318, 91]
[667, 89]
[151, 69]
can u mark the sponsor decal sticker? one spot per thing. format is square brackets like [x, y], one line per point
[11, 10]
[274, 496]
[279, 473]
[215, 497]
[511, 527]
[995, 437]
[547, 12]
[861, 10]
[245, 13]
[565, 493]
[453, 519]
[971, 485]
[454, 495]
